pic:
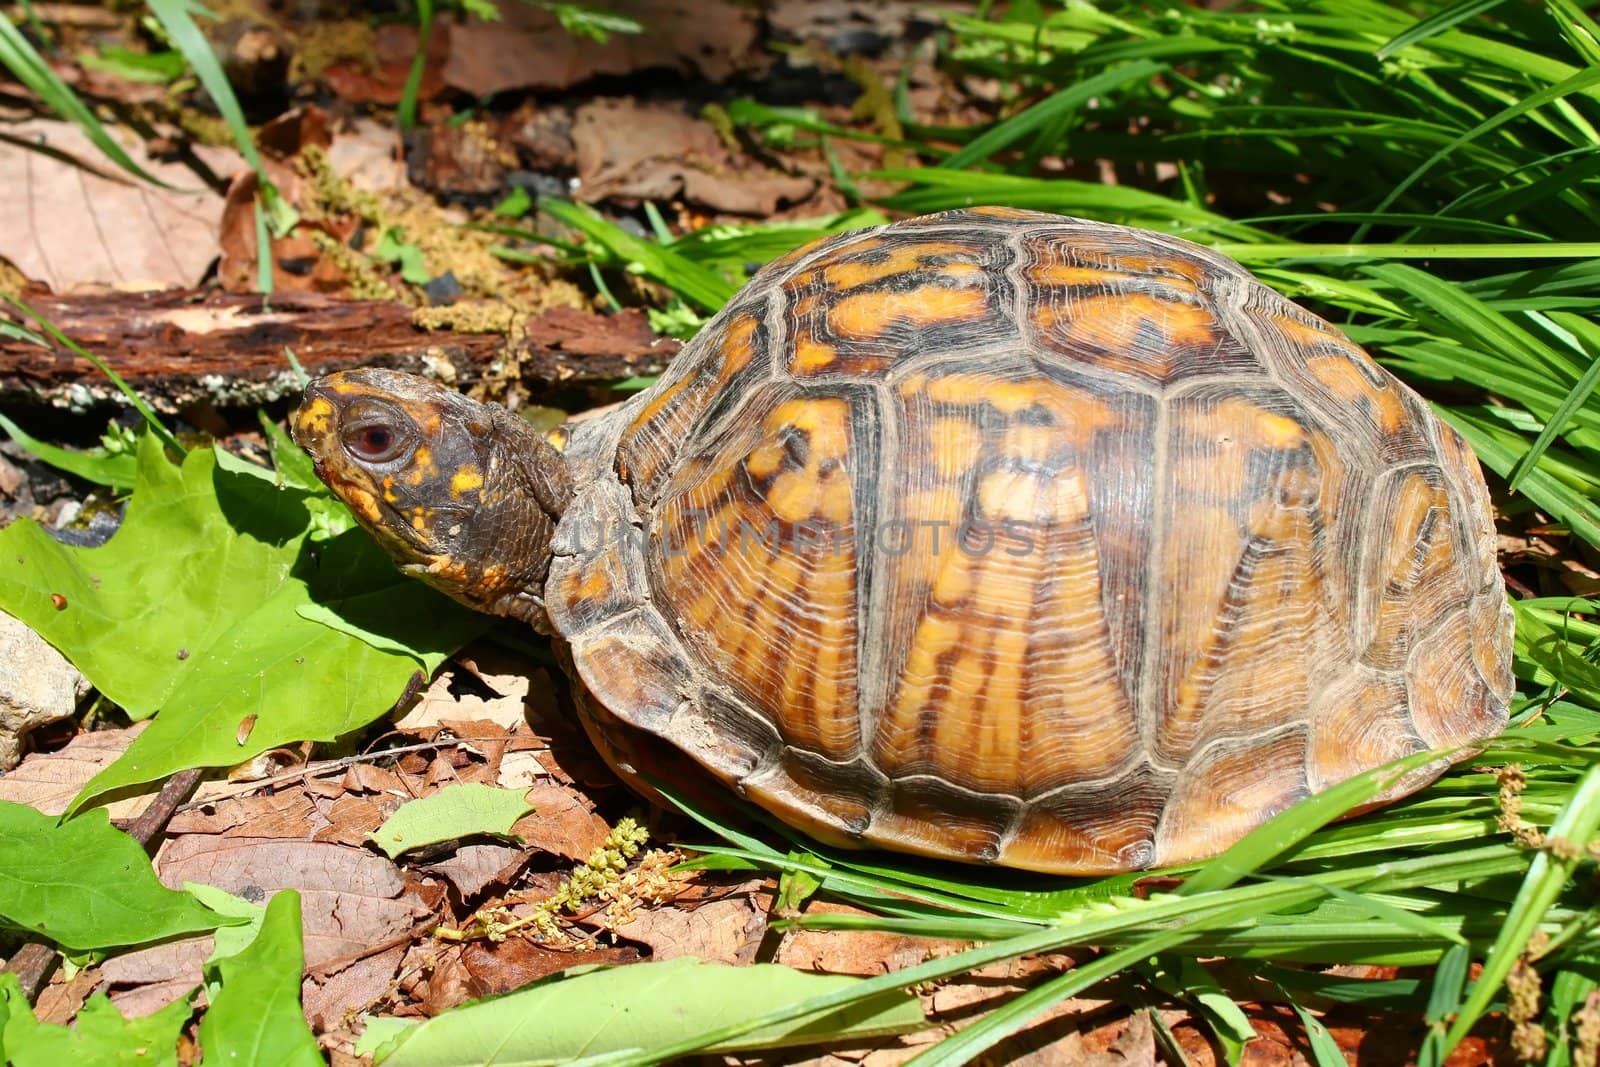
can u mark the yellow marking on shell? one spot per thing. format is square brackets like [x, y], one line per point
[656, 434]
[995, 212]
[315, 416]
[1252, 426]
[869, 314]
[464, 481]
[955, 441]
[1008, 494]
[743, 588]
[1344, 379]
[851, 272]
[1074, 274]
[1078, 415]
[1115, 322]
[812, 355]
[1279, 431]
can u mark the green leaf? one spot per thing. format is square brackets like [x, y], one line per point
[456, 811]
[154, 68]
[637, 1008]
[192, 608]
[84, 884]
[228, 939]
[100, 1036]
[115, 470]
[255, 1017]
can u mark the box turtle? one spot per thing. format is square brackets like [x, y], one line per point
[991, 535]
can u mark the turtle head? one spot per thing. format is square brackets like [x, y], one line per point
[463, 495]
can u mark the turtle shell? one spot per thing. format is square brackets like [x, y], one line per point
[1005, 537]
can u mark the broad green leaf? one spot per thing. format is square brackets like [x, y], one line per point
[228, 940]
[255, 1019]
[456, 811]
[99, 1037]
[84, 884]
[637, 1008]
[193, 606]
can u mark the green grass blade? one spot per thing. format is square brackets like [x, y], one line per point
[1006, 133]
[695, 283]
[18, 56]
[151, 419]
[1278, 835]
[406, 112]
[1579, 82]
[1547, 874]
[1436, 23]
[177, 19]
[1575, 398]
[1511, 250]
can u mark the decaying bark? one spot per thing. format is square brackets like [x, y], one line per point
[180, 348]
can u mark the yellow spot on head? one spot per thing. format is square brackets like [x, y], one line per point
[314, 417]
[363, 503]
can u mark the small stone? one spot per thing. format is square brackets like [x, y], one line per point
[443, 289]
[11, 479]
[37, 686]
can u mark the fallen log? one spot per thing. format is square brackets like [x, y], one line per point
[181, 348]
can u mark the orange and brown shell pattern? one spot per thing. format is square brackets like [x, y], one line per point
[1004, 537]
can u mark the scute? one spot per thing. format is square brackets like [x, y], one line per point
[1008, 538]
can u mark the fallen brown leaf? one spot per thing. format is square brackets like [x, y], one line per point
[633, 152]
[867, 953]
[473, 868]
[73, 219]
[527, 48]
[47, 781]
[504, 705]
[562, 822]
[499, 968]
[725, 928]
[289, 814]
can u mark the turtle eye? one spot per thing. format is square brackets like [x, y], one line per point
[374, 434]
